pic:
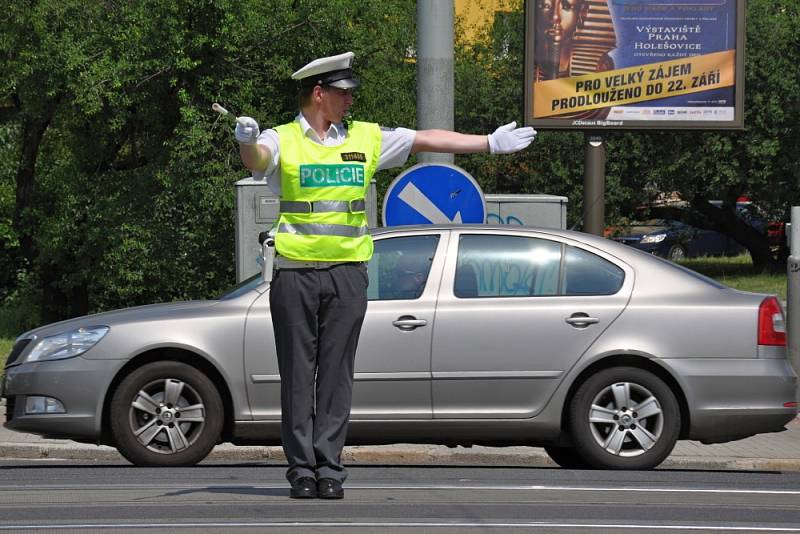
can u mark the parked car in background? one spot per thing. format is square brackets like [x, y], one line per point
[485, 335]
[674, 240]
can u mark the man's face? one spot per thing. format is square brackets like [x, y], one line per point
[560, 17]
[335, 103]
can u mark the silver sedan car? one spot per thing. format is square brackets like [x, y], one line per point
[489, 335]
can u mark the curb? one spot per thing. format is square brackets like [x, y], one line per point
[731, 464]
[366, 455]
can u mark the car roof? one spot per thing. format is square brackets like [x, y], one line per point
[630, 255]
[589, 239]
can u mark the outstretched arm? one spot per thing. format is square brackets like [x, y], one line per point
[447, 141]
[505, 140]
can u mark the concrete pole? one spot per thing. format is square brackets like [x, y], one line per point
[594, 185]
[793, 291]
[435, 70]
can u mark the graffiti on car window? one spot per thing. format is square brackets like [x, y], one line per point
[504, 278]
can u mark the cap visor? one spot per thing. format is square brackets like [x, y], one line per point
[347, 83]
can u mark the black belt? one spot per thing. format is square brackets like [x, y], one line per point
[285, 263]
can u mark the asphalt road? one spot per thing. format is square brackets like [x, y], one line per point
[58, 496]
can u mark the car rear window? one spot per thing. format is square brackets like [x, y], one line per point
[589, 274]
[506, 266]
[518, 266]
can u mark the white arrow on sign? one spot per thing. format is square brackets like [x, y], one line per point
[415, 198]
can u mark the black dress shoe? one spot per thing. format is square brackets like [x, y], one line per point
[329, 488]
[303, 488]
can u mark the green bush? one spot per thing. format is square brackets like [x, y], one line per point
[5, 349]
[20, 308]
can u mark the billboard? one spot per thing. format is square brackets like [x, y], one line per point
[634, 64]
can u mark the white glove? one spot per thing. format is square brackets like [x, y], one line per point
[507, 139]
[246, 130]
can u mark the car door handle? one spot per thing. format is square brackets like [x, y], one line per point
[408, 322]
[581, 320]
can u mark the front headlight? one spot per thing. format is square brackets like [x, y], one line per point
[654, 238]
[66, 344]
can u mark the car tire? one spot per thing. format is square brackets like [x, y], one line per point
[567, 457]
[624, 418]
[166, 414]
[676, 253]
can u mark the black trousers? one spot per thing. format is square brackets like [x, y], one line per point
[317, 316]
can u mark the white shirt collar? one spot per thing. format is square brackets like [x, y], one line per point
[335, 134]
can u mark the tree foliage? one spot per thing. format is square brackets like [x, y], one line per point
[116, 179]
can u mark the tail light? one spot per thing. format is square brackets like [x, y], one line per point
[771, 326]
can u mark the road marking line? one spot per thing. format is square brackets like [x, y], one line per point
[354, 524]
[444, 487]
[581, 488]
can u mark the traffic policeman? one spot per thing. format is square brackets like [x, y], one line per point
[321, 165]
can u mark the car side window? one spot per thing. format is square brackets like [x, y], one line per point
[506, 266]
[400, 266]
[588, 274]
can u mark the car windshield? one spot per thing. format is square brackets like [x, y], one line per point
[241, 288]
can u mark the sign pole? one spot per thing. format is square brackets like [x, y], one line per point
[435, 71]
[793, 291]
[594, 185]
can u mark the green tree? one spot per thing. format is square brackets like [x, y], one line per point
[122, 176]
[116, 180]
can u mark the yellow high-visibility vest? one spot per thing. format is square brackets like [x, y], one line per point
[323, 191]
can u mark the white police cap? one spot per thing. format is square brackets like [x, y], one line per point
[331, 70]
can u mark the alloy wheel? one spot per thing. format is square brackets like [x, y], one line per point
[167, 416]
[626, 419]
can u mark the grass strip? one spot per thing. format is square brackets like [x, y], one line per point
[736, 272]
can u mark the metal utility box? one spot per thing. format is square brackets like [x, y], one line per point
[546, 211]
[256, 211]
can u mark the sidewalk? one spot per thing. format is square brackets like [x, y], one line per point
[767, 452]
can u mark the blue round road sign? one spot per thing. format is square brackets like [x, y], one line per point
[434, 193]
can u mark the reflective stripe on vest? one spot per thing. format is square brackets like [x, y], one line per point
[339, 230]
[324, 206]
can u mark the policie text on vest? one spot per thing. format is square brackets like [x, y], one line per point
[336, 175]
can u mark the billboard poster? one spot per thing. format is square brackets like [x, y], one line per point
[630, 64]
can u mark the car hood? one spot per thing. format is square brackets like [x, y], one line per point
[637, 231]
[136, 314]
[645, 229]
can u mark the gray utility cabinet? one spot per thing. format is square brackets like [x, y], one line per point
[546, 211]
[256, 211]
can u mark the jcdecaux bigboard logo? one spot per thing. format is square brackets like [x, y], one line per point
[332, 175]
